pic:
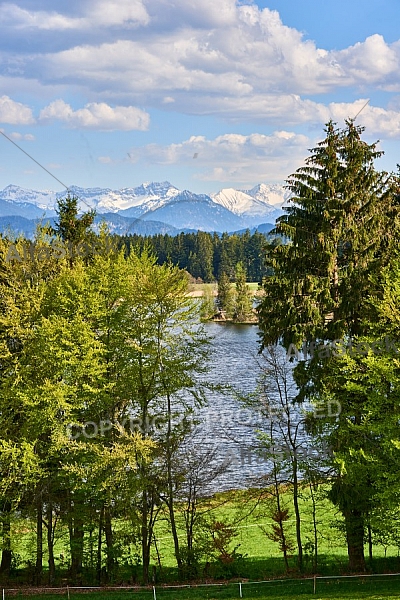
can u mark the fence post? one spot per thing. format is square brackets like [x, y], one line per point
[240, 590]
[4, 594]
[68, 591]
[154, 592]
[315, 584]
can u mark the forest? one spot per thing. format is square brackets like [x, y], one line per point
[103, 369]
[204, 255]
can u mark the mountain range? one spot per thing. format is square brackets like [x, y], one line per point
[148, 209]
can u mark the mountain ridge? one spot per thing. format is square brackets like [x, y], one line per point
[160, 202]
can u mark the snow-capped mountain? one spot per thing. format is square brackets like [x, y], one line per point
[41, 199]
[196, 211]
[272, 194]
[241, 203]
[263, 201]
[147, 196]
[228, 210]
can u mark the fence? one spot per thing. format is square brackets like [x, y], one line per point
[280, 588]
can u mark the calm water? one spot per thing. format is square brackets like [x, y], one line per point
[228, 428]
[226, 437]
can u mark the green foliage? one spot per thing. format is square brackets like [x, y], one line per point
[208, 304]
[225, 295]
[243, 303]
[205, 255]
[105, 342]
[70, 227]
[341, 229]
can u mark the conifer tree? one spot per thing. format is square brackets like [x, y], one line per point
[243, 308]
[340, 227]
[70, 227]
[225, 294]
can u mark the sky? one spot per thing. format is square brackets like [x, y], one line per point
[207, 94]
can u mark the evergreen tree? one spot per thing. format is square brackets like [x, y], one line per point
[339, 229]
[225, 297]
[207, 308]
[70, 227]
[243, 305]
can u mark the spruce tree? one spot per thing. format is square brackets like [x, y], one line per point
[339, 230]
[243, 308]
[225, 298]
[70, 227]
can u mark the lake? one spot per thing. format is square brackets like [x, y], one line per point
[227, 427]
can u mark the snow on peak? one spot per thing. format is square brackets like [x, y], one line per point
[273, 194]
[44, 199]
[240, 202]
[260, 204]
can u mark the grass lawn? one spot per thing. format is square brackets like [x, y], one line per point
[261, 558]
[200, 288]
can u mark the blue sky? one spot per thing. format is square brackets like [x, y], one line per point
[206, 94]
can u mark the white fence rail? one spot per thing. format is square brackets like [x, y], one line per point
[152, 591]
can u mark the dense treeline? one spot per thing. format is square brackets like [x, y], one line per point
[206, 255]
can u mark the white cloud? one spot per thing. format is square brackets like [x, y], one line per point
[199, 14]
[372, 61]
[97, 116]
[232, 157]
[245, 64]
[27, 137]
[109, 13]
[198, 57]
[96, 13]
[378, 121]
[15, 113]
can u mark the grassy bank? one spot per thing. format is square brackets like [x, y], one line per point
[257, 557]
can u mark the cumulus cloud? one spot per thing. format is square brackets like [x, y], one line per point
[378, 121]
[96, 13]
[372, 61]
[245, 62]
[232, 157]
[98, 116]
[199, 57]
[15, 113]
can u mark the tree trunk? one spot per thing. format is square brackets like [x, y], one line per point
[145, 539]
[109, 542]
[50, 542]
[281, 528]
[315, 530]
[174, 532]
[6, 555]
[297, 514]
[98, 568]
[355, 540]
[171, 490]
[370, 542]
[76, 535]
[77, 549]
[39, 540]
